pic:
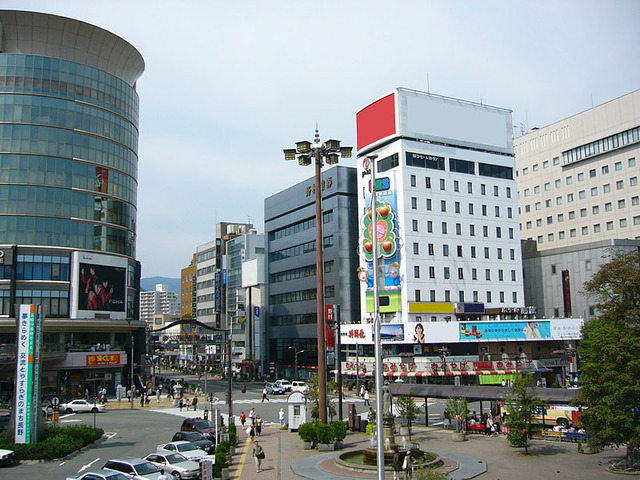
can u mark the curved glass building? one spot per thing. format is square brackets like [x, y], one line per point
[68, 183]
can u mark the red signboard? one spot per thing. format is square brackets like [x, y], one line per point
[103, 359]
[376, 121]
[483, 365]
[330, 319]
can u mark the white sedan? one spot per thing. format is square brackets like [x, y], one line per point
[81, 406]
[7, 457]
[100, 475]
[187, 449]
[175, 464]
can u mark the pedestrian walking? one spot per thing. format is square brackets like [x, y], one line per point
[252, 416]
[180, 404]
[362, 390]
[195, 403]
[397, 465]
[281, 417]
[366, 398]
[258, 455]
[158, 394]
[264, 395]
[407, 466]
[258, 425]
[243, 418]
[251, 432]
[206, 413]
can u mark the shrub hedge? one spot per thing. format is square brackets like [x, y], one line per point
[55, 442]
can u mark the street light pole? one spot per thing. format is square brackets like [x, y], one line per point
[304, 152]
[295, 360]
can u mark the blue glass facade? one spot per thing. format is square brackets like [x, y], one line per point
[68, 155]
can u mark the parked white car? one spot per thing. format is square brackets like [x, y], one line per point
[80, 406]
[187, 449]
[285, 384]
[301, 387]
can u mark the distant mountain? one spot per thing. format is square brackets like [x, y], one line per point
[147, 284]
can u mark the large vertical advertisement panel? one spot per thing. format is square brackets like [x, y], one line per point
[27, 374]
[388, 247]
[99, 286]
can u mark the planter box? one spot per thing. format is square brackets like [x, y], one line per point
[224, 474]
[405, 431]
[326, 447]
[307, 445]
[458, 436]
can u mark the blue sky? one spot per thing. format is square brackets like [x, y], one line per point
[229, 84]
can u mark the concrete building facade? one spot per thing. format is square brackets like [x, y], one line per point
[579, 198]
[158, 301]
[291, 265]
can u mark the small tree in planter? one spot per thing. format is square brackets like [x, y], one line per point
[326, 436]
[339, 431]
[459, 409]
[522, 405]
[307, 432]
[408, 410]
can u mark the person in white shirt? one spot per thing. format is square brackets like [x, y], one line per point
[164, 476]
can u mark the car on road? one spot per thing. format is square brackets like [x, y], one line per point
[200, 425]
[100, 475]
[301, 387]
[81, 406]
[7, 457]
[273, 389]
[134, 467]
[188, 449]
[286, 384]
[175, 464]
[197, 438]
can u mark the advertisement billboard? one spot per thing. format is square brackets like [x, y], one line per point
[99, 285]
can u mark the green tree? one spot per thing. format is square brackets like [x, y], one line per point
[455, 407]
[408, 409]
[609, 354]
[521, 407]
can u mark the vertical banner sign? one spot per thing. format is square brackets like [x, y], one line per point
[566, 293]
[37, 366]
[24, 374]
[330, 319]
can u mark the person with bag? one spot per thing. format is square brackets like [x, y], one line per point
[407, 466]
[243, 418]
[258, 455]
[251, 432]
[397, 465]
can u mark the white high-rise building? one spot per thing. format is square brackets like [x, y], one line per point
[158, 301]
[447, 220]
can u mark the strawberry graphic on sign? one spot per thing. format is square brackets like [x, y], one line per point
[385, 235]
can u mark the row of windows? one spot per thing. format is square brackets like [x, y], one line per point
[301, 249]
[60, 202]
[475, 296]
[35, 74]
[39, 140]
[47, 268]
[301, 295]
[455, 165]
[583, 212]
[446, 273]
[456, 186]
[302, 272]
[444, 229]
[584, 230]
[603, 145]
[473, 251]
[37, 110]
[64, 172]
[288, 320]
[64, 232]
[457, 207]
[301, 226]
[580, 176]
[55, 302]
[582, 194]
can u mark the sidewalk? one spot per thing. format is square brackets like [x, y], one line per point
[480, 456]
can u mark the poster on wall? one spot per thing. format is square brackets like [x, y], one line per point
[99, 285]
[505, 330]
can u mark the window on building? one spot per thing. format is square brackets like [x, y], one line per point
[632, 162]
[460, 273]
[488, 296]
[498, 232]
[447, 295]
[487, 274]
[456, 186]
[416, 248]
[592, 173]
[432, 272]
[414, 225]
[459, 250]
[568, 180]
[471, 209]
[414, 203]
[416, 271]
[583, 212]
[547, 186]
[621, 203]
[581, 177]
[445, 250]
[585, 230]
[486, 252]
[443, 205]
[469, 187]
[447, 273]
[561, 217]
[605, 169]
[483, 189]
[429, 204]
[499, 253]
[623, 223]
[472, 230]
[618, 166]
[416, 295]
[431, 249]
[432, 295]
[609, 225]
[427, 181]
[442, 184]
[606, 188]
[594, 191]
[620, 185]
[413, 180]
[474, 274]
[445, 228]
[596, 228]
[473, 251]
[429, 226]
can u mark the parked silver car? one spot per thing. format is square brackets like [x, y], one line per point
[188, 449]
[135, 468]
[273, 389]
[175, 464]
[100, 475]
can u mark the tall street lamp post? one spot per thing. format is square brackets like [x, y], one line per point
[369, 167]
[329, 151]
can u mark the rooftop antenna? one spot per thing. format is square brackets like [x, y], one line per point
[428, 86]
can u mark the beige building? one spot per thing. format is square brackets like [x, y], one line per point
[578, 178]
[578, 199]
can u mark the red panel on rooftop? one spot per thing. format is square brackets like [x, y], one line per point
[376, 121]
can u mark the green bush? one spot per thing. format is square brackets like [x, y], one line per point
[233, 435]
[55, 442]
[516, 439]
[223, 447]
[221, 462]
[371, 427]
[325, 433]
[340, 430]
[307, 432]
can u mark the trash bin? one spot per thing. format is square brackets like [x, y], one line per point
[243, 388]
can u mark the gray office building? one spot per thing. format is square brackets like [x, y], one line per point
[291, 265]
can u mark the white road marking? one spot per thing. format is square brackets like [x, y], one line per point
[84, 467]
